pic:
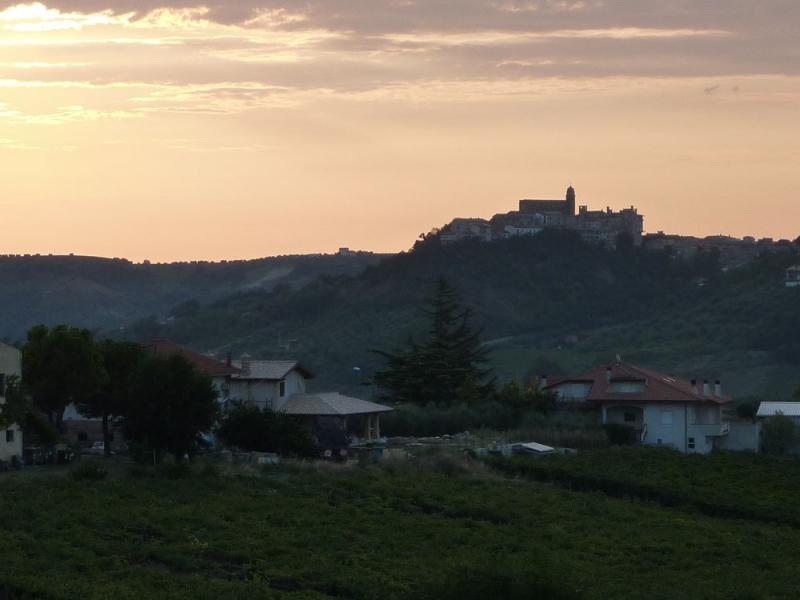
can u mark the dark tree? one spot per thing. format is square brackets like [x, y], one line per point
[449, 366]
[119, 362]
[60, 366]
[778, 434]
[170, 405]
[16, 408]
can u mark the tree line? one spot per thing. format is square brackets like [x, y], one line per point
[161, 403]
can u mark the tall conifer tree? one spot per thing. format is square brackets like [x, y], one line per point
[449, 367]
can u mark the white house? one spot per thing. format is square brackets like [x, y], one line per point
[279, 385]
[793, 276]
[663, 410]
[267, 383]
[11, 436]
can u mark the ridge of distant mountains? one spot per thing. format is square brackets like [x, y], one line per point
[107, 294]
[549, 304]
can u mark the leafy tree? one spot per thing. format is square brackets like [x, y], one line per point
[526, 400]
[253, 429]
[778, 434]
[170, 405]
[16, 408]
[119, 362]
[60, 366]
[449, 366]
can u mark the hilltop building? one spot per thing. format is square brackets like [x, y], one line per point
[534, 216]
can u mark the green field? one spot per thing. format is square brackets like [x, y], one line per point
[430, 528]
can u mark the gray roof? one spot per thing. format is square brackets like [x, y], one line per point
[270, 369]
[770, 409]
[330, 404]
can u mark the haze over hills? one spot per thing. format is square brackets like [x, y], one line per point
[550, 303]
[106, 294]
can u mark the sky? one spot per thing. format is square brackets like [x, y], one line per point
[180, 130]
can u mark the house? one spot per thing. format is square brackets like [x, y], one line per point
[280, 385]
[11, 436]
[793, 276]
[663, 410]
[267, 383]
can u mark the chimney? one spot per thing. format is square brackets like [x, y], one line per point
[718, 388]
[706, 388]
[542, 382]
[229, 359]
[694, 386]
[608, 374]
[246, 364]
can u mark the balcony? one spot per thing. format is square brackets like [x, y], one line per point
[715, 430]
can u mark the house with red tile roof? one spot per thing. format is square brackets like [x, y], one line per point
[662, 410]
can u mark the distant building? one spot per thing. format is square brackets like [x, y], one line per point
[11, 436]
[793, 276]
[466, 229]
[534, 216]
[662, 410]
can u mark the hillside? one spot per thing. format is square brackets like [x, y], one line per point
[102, 293]
[550, 303]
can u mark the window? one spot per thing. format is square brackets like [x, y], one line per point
[9, 435]
[666, 417]
[691, 443]
[2, 384]
[282, 389]
[630, 417]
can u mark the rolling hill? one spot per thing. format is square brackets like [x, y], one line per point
[106, 294]
[550, 303]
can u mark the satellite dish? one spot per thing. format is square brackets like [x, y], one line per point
[619, 359]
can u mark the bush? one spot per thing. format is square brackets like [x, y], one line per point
[255, 430]
[177, 470]
[778, 434]
[88, 471]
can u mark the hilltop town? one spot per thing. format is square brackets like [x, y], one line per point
[606, 227]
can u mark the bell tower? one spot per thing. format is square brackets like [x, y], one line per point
[571, 201]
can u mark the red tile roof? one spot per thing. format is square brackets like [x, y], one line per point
[206, 364]
[658, 387]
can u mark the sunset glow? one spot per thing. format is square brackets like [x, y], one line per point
[172, 130]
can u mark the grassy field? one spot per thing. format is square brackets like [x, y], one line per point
[431, 528]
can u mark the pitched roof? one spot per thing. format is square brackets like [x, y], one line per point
[770, 409]
[203, 363]
[330, 404]
[273, 370]
[658, 387]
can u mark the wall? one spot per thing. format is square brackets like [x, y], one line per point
[265, 393]
[672, 434]
[10, 364]
[743, 436]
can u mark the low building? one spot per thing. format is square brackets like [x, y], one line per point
[662, 410]
[466, 229]
[793, 276]
[11, 436]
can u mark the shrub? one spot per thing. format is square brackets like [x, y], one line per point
[177, 470]
[255, 430]
[778, 434]
[88, 471]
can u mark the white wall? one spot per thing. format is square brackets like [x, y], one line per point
[666, 424]
[266, 393]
